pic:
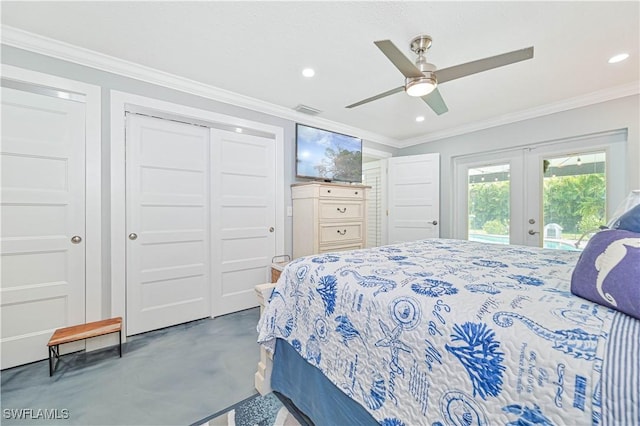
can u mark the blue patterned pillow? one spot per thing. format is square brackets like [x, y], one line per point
[608, 271]
[630, 221]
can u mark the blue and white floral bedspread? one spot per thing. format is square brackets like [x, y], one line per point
[447, 332]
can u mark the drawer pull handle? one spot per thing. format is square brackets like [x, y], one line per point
[356, 192]
[328, 191]
[343, 232]
[341, 210]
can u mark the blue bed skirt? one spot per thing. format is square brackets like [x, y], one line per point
[315, 396]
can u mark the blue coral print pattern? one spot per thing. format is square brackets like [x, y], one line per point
[327, 289]
[480, 355]
[457, 332]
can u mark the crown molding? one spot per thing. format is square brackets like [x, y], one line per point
[25, 40]
[564, 105]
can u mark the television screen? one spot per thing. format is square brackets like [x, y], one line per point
[330, 156]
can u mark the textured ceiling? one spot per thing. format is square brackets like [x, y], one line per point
[258, 49]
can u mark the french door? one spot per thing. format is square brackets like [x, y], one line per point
[549, 195]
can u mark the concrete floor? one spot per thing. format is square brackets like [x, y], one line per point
[173, 376]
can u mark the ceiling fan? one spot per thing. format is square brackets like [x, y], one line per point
[423, 78]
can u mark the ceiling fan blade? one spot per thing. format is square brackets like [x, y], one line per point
[485, 64]
[435, 101]
[376, 97]
[406, 67]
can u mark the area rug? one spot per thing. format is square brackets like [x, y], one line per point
[257, 410]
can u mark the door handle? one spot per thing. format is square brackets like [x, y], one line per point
[76, 239]
[435, 222]
[532, 232]
[271, 229]
[133, 236]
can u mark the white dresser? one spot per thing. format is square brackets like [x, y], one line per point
[328, 217]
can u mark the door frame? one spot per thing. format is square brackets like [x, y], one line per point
[94, 282]
[120, 103]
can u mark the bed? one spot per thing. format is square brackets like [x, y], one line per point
[449, 332]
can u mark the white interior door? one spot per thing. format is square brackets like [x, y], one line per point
[168, 242]
[43, 208]
[243, 217]
[414, 197]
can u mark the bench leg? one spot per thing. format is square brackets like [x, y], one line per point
[120, 342]
[54, 351]
[50, 362]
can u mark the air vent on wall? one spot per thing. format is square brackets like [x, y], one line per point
[307, 110]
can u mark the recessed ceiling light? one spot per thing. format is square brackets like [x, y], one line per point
[618, 58]
[419, 118]
[238, 130]
[308, 72]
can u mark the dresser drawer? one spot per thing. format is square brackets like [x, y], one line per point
[341, 192]
[341, 210]
[342, 247]
[337, 233]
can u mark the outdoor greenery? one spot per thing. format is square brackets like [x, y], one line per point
[577, 203]
[489, 203]
[342, 164]
[496, 227]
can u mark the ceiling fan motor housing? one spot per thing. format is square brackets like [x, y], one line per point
[421, 86]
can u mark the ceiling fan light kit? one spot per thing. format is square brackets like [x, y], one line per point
[420, 86]
[421, 78]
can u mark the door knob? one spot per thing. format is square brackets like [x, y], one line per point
[133, 236]
[435, 222]
[76, 239]
[532, 232]
[271, 229]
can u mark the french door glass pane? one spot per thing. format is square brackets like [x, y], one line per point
[489, 194]
[574, 199]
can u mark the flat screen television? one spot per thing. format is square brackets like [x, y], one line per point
[327, 156]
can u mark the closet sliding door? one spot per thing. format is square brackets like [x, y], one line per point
[243, 193]
[168, 225]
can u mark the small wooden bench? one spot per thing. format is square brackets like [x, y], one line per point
[81, 332]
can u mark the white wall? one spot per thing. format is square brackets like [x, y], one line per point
[622, 113]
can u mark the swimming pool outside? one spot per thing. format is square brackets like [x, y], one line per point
[504, 239]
